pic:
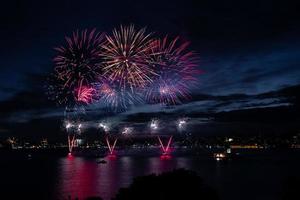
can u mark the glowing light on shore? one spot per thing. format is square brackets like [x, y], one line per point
[154, 124]
[181, 124]
[79, 128]
[127, 131]
[104, 126]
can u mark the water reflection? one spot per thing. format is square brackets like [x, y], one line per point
[78, 178]
[81, 178]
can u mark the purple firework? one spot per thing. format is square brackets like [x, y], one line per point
[176, 69]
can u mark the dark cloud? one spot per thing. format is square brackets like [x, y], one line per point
[30, 114]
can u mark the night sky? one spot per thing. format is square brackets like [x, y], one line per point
[249, 52]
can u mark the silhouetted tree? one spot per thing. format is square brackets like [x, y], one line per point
[94, 198]
[291, 188]
[179, 184]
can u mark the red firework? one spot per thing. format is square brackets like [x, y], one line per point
[84, 94]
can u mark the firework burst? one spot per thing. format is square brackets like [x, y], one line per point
[114, 97]
[78, 62]
[118, 69]
[176, 70]
[124, 57]
[85, 94]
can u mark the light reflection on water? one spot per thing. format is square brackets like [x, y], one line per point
[80, 177]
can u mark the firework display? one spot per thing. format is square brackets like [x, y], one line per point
[128, 67]
[117, 71]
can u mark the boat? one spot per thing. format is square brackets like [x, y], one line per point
[220, 156]
[102, 161]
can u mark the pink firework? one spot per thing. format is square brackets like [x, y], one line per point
[176, 69]
[84, 94]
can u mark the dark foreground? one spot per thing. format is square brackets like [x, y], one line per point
[255, 175]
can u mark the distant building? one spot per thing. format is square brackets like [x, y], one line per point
[247, 146]
[295, 146]
[44, 143]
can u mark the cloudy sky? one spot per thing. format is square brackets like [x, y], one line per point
[249, 52]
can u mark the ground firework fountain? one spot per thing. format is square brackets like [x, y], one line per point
[71, 143]
[120, 70]
[165, 148]
[111, 146]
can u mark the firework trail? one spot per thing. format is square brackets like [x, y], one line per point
[125, 55]
[111, 146]
[177, 72]
[73, 130]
